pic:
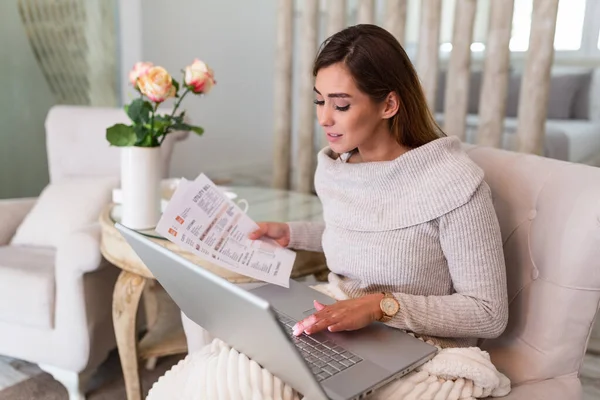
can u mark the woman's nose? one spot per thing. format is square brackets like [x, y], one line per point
[325, 116]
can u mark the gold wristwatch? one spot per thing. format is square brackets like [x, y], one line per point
[389, 306]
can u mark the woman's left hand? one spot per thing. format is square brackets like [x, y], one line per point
[344, 315]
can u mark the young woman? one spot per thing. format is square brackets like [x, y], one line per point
[410, 233]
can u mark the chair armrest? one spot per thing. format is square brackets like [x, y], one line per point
[12, 214]
[79, 252]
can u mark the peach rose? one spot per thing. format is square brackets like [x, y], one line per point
[139, 69]
[157, 85]
[199, 77]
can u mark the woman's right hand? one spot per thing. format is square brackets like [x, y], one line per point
[278, 231]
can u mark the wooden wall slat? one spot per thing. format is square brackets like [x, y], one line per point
[395, 18]
[428, 50]
[336, 21]
[494, 87]
[283, 95]
[336, 16]
[306, 124]
[366, 12]
[459, 69]
[535, 85]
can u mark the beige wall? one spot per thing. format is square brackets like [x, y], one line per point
[237, 39]
[24, 101]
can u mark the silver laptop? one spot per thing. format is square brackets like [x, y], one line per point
[258, 322]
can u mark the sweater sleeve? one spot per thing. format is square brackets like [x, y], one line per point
[471, 241]
[306, 235]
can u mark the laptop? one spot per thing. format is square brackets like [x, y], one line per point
[258, 322]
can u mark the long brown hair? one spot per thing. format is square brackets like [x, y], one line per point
[379, 65]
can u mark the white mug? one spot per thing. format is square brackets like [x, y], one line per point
[246, 207]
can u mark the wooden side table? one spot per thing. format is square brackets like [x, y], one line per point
[165, 334]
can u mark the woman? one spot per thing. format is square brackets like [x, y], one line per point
[410, 233]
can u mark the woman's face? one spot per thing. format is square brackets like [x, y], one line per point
[348, 116]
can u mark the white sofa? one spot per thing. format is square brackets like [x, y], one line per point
[573, 123]
[55, 287]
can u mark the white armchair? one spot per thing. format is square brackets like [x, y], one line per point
[56, 300]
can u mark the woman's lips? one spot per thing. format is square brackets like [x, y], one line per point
[333, 137]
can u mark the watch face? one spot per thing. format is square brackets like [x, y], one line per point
[389, 306]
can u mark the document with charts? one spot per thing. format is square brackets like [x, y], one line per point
[201, 219]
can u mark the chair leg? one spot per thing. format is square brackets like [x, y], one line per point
[74, 382]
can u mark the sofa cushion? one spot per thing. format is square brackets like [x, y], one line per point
[581, 105]
[569, 96]
[561, 98]
[594, 108]
[62, 208]
[551, 389]
[548, 212]
[475, 82]
[27, 286]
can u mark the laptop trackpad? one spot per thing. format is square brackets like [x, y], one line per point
[385, 346]
[296, 302]
[310, 312]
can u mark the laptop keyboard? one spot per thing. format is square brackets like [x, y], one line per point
[324, 358]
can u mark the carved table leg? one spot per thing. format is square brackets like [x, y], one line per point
[150, 300]
[126, 298]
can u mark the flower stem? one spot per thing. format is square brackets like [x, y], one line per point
[152, 119]
[187, 89]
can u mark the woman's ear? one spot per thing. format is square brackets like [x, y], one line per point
[392, 103]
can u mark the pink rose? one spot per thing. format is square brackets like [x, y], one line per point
[199, 77]
[157, 85]
[139, 69]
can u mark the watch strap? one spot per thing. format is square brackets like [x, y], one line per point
[386, 317]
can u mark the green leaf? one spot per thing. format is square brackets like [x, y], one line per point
[187, 127]
[146, 141]
[179, 126]
[199, 130]
[146, 113]
[121, 135]
[178, 119]
[161, 123]
[163, 119]
[176, 84]
[139, 111]
[134, 110]
[140, 133]
[160, 127]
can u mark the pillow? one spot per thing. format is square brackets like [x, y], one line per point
[512, 94]
[62, 208]
[561, 97]
[475, 82]
[594, 107]
[581, 105]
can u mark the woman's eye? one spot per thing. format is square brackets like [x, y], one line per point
[344, 108]
[319, 102]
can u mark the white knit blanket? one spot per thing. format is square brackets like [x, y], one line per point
[220, 372]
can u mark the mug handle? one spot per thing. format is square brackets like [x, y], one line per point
[245, 202]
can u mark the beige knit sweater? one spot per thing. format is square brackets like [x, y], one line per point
[421, 226]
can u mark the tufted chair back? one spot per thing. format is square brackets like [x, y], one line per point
[77, 146]
[549, 213]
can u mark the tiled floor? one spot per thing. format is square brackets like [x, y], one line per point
[14, 371]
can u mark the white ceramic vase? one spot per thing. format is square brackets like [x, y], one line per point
[140, 186]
